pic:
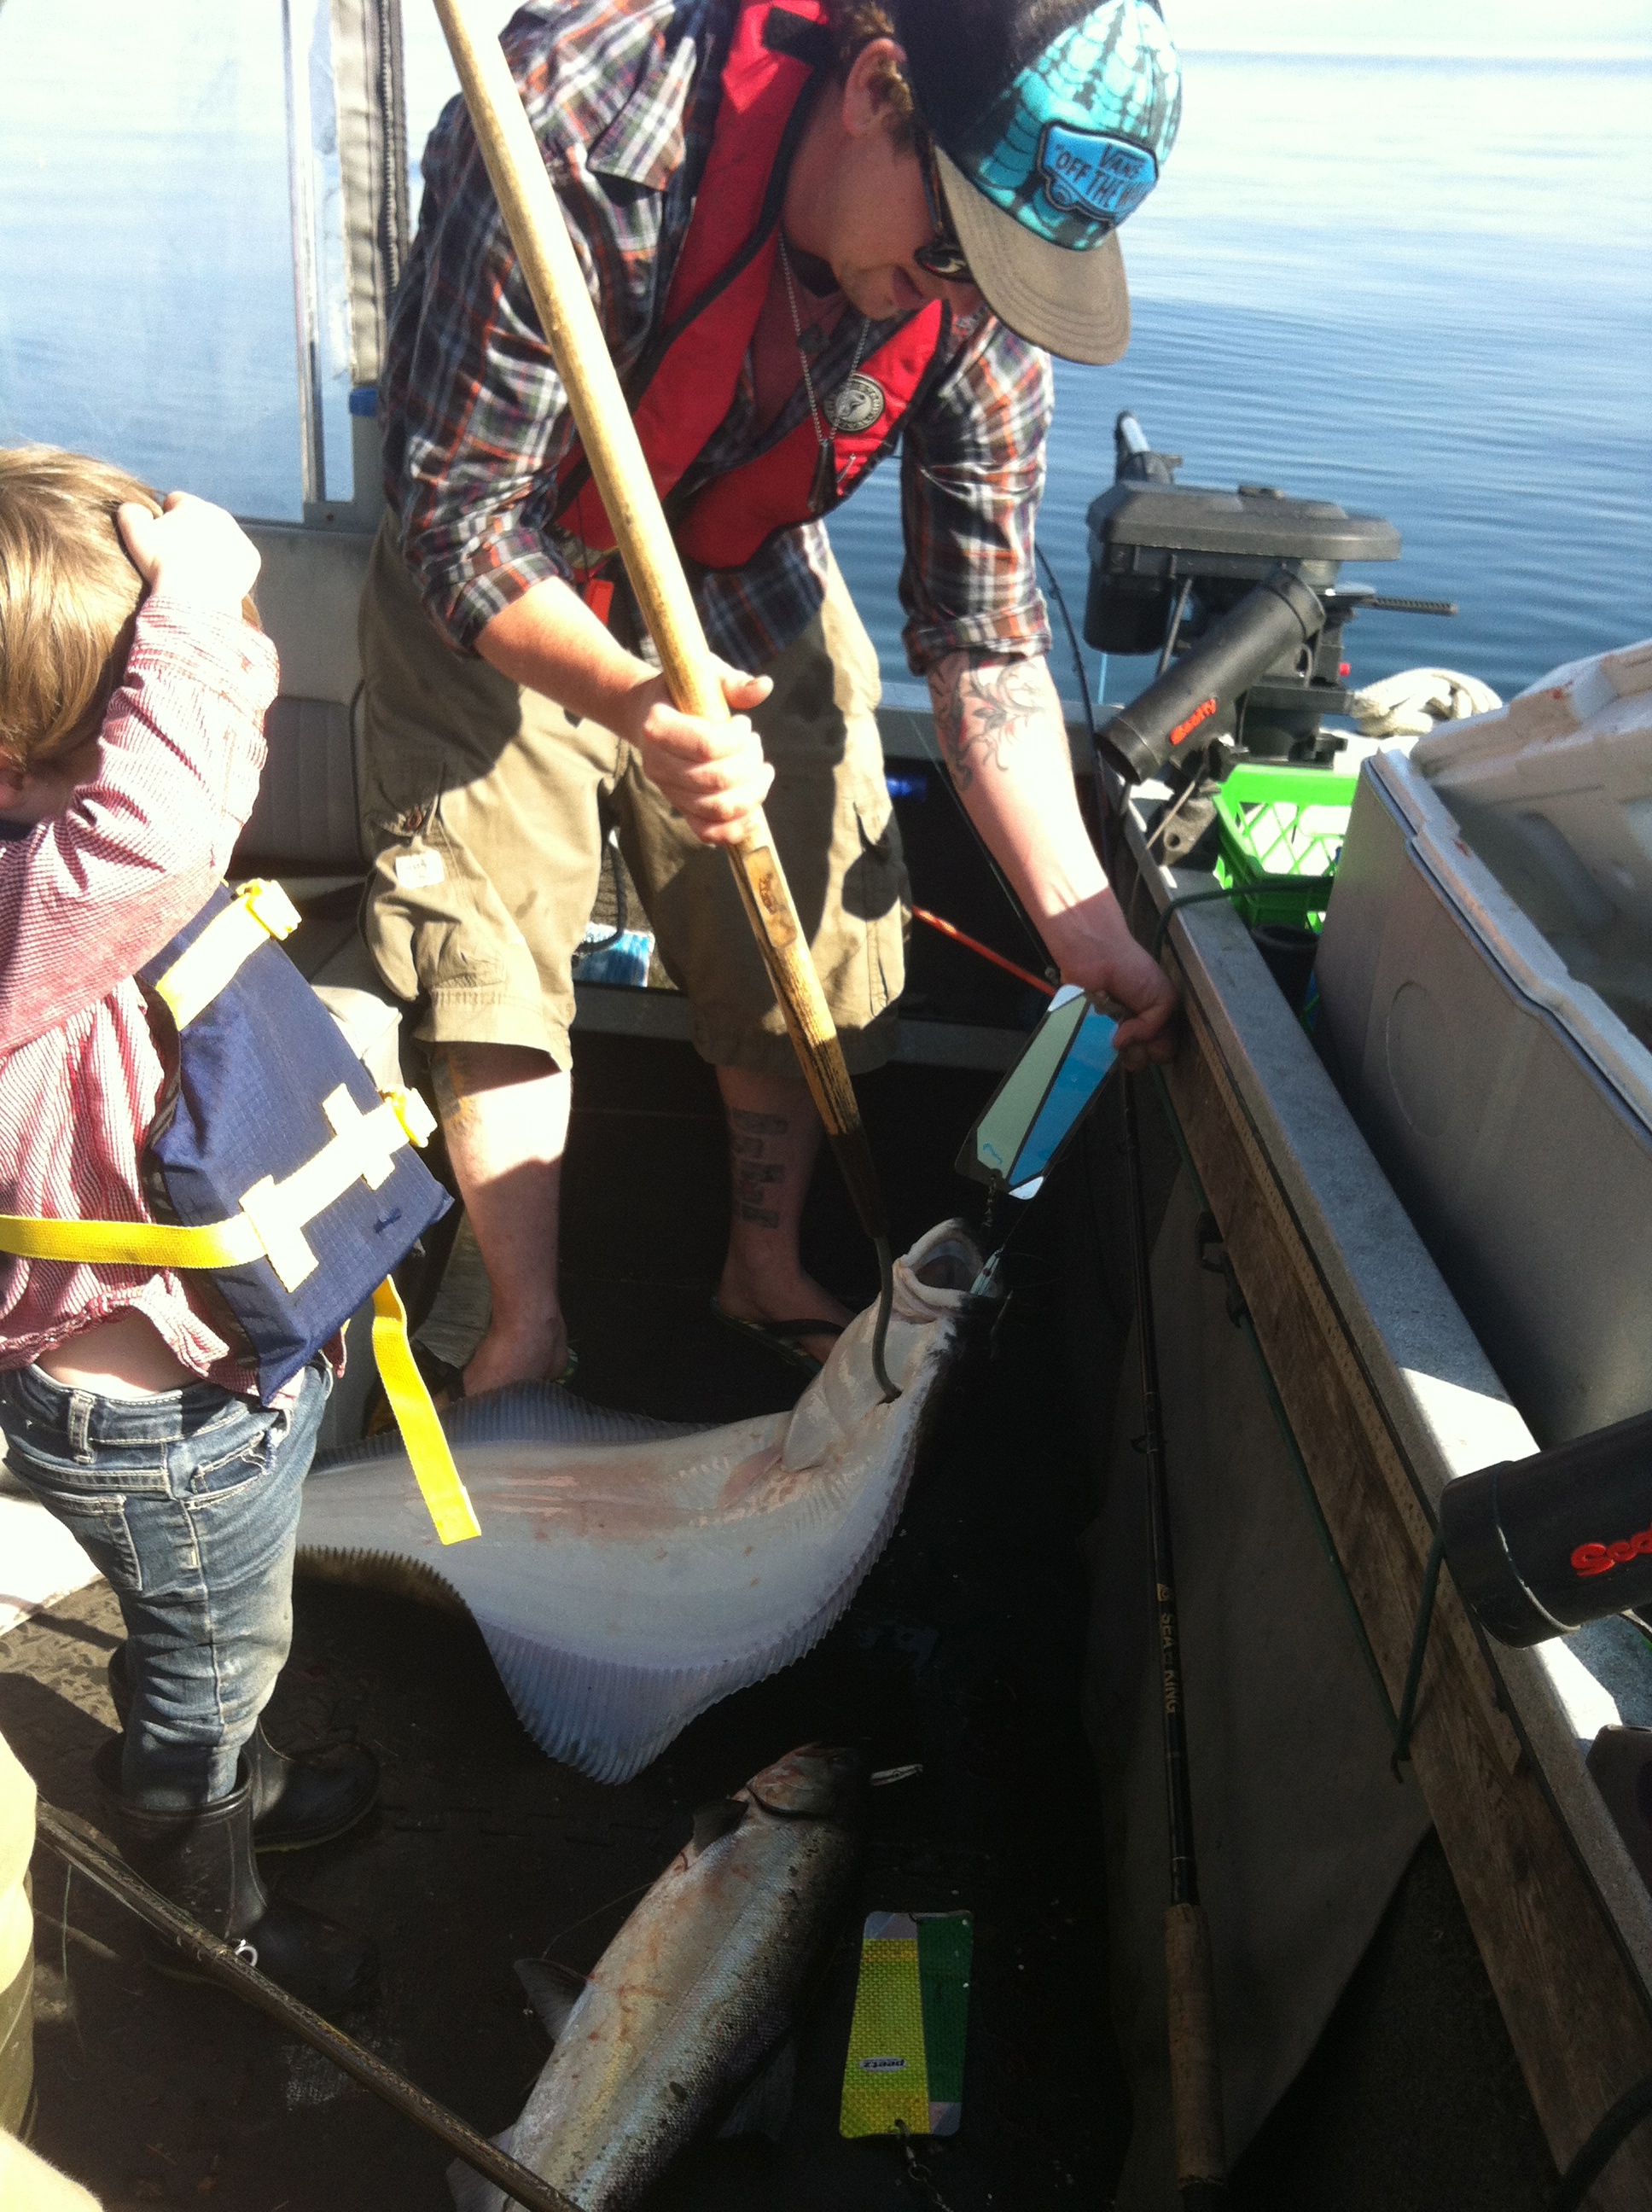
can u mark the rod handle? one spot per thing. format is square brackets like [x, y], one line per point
[1195, 2066]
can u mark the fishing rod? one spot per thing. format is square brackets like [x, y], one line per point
[1195, 2067]
[538, 233]
[1195, 2062]
[83, 1849]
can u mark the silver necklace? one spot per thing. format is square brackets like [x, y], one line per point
[825, 485]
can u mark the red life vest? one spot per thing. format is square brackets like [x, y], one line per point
[686, 381]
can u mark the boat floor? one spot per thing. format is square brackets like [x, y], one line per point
[963, 1651]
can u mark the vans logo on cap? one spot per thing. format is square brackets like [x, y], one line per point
[1094, 172]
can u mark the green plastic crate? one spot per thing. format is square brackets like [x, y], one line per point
[1282, 827]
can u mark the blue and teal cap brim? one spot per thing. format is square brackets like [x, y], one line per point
[1039, 177]
[1072, 303]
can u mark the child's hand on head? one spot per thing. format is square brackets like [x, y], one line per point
[191, 552]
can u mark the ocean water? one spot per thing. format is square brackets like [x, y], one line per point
[1422, 286]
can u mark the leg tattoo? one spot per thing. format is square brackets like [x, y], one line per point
[751, 1171]
[451, 1102]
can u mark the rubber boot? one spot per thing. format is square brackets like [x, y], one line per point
[202, 1860]
[295, 1802]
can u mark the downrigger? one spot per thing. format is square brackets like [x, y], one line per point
[1237, 592]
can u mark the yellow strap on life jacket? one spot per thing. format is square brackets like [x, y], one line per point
[262, 910]
[273, 1216]
[445, 1495]
[229, 1243]
[427, 1447]
[361, 1144]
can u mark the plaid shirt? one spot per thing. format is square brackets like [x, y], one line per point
[623, 97]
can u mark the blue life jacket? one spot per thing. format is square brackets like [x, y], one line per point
[270, 1116]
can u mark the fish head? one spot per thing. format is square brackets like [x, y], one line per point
[843, 1408]
[817, 1781]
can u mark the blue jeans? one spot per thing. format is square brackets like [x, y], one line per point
[188, 1502]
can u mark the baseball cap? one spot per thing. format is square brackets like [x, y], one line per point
[1052, 120]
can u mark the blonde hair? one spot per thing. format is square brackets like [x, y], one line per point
[69, 596]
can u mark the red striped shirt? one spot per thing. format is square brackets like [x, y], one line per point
[85, 900]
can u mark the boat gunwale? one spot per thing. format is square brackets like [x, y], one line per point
[1403, 1327]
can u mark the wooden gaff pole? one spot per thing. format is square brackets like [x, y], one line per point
[538, 232]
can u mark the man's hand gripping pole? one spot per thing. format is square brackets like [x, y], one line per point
[538, 232]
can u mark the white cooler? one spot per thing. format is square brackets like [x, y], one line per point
[1554, 792]
[1508, 1105]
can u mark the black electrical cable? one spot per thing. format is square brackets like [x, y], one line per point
[1174, 630]
[1078, 668]
[1103, 789]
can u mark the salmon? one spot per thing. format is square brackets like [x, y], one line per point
[694, 1993]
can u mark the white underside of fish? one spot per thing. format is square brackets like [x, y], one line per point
[629, 1573]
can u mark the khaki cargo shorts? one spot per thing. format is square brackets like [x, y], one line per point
[482, 807]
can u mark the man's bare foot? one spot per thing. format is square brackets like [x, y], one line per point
[523, 1355]
[788, 1296]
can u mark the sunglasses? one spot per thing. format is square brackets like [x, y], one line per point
[942, 255]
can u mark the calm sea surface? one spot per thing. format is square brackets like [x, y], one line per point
[1422, 287]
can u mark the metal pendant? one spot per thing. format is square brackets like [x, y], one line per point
[823, 493]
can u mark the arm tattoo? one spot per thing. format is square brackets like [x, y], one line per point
[982, 711]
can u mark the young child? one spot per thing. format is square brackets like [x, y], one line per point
[132, 694]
